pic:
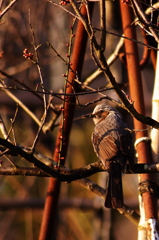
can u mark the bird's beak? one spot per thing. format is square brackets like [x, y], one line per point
[88, 116]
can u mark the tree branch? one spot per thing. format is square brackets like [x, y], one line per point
[48, 168]
[8, 7]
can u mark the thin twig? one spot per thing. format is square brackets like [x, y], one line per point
[43, 118]
[66, 10]
[7, 8]
[133, 40]
[110, 61]
[11, 162]
[4, 130]
[21, 83]
[56, 94]
[144, 19]
[12, 125]
[151, 8]
[24, 107]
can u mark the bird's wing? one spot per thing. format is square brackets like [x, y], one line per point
[126, 146]
[104, 146]
[125, 143]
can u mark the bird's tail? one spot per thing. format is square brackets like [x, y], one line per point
[114, 194]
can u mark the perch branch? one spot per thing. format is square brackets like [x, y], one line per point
[49, 166]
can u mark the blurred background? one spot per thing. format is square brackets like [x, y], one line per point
[81, 214]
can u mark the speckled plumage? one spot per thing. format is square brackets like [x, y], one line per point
[112, 143]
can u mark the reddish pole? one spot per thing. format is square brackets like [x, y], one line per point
[51, 203]
[136, 91]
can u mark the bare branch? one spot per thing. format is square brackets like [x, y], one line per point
[86, 183]
[3, 129]
[144, 19]
[110, 61]
[49, 166]
[24, 107]
[133, 40]
[43, 118]
[7, 8]
[66, 10]
[12, 125]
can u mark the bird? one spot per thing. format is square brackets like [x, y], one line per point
[112, 143]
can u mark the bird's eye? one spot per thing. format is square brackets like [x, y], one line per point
[99, 115]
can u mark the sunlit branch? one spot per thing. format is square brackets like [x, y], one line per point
[7, 8]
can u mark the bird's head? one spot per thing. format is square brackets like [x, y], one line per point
[100, 112]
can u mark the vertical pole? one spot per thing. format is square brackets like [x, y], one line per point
[51, 204]
[136, 92]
